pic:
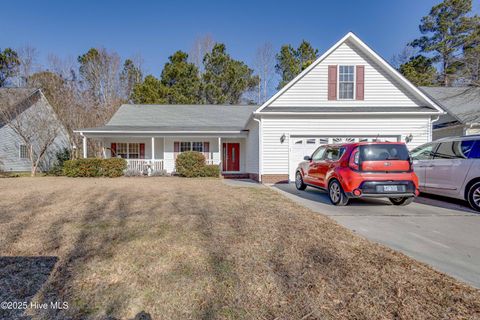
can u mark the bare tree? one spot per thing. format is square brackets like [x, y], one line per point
[403, 57]
[201, 46]
[28, 57]
[264, 65]
[37, 126]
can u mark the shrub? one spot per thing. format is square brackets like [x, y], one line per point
[92, 167]
[159, 173]
[62, 156]
[133, 173]
[190, 164]
[113, 167]
[211, 170]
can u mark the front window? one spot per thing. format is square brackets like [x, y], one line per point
[128, 150]
[346, 80]
[185, 146]
[191, 146]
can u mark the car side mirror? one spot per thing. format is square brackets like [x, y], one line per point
[308, 158]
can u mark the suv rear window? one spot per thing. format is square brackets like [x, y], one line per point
[379, 152]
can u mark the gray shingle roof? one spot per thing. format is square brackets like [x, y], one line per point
[461, 103]
[15, 99]
[179, 118]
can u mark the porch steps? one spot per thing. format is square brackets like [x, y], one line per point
[235, 175]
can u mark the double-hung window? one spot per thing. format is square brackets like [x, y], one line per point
[191, 146]
[346, 82]
[23, 152]
[128, 150]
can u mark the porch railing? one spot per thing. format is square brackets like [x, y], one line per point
[142, 165]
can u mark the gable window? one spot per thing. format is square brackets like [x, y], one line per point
[346, 82]
[23, 152]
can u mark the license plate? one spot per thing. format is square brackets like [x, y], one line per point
[388, 188]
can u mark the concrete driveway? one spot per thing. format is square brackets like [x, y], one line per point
[442, 233]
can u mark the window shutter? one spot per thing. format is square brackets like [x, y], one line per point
[142, 150]
[113, 150]
[206, 150]
[360, 83]
[176, 149]
[332, 82]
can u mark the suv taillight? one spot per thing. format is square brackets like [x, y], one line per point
[354, 161]
[410, 164]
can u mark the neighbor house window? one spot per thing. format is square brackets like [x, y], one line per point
[128, 150]
[346, 80]
[23, 151]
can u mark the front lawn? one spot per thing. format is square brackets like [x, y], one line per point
[184, 248]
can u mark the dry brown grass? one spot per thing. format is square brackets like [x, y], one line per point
[179, 248]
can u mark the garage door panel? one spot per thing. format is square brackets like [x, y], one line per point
[305, 146]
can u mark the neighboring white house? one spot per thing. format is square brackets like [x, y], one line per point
[462, 105]
[348, 94]
[28, 105]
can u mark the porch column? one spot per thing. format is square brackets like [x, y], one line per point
[153, 148]
[220, 152]
[84, 146]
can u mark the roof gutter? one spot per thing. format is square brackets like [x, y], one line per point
[351, 113]
[139, 131]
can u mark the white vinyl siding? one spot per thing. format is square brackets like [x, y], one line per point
[276, 153]
[380, 88]
[251, 148]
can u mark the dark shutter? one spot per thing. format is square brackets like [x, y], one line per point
[176, 149]
[332, 82]
[360, 83]
[206, 150]
[142, 150]
[113, 150]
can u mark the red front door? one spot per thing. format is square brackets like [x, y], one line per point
[231, 157]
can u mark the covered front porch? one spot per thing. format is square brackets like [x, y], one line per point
[157, 154]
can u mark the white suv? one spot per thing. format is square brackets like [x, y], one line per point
[450, 167]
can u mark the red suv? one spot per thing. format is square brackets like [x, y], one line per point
[357, 170]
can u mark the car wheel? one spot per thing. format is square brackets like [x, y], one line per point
[474, 196]
[299, 182]
[403, 201]
[336, 194]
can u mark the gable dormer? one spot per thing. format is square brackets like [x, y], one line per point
[349, 74]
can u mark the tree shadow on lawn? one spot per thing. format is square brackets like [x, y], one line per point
[20, 280]
[99, 231]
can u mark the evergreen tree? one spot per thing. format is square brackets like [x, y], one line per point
[9, 63]
[445, 31]
[290, 61]
[225, 80]
[181, 80]
[419, 70]
[150, 91]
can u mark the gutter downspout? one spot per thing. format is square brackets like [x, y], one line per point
[260, 148]
[432, 120]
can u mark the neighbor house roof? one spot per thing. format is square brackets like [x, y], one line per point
[175, 118]
[16, 99]
[461, 103]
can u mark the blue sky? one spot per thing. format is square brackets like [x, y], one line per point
[155, 29]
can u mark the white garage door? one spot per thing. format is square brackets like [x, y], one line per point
[305, 146]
